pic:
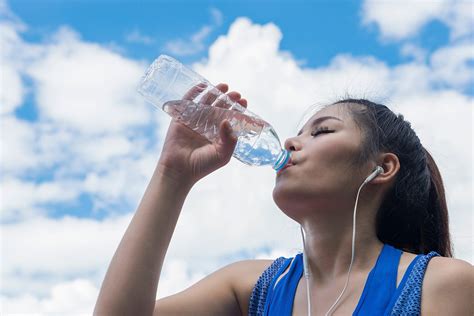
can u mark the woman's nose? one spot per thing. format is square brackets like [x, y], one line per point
[291, 144]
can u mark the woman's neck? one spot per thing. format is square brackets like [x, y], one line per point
[328, 244]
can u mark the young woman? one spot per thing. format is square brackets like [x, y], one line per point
[397, 250]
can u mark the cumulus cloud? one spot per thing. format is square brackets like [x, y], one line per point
[26, 198]
[88, 114]
[11, 88]
[454, 65]
[84, 87]
[398, 20]
[407, 87]
[43, 251]
[416, 52]
[76, 297]
[196, 42]
[20, 139]
[112, 161]
[136, 36]
[217, 16]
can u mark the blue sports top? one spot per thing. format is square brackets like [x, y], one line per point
[380, 296]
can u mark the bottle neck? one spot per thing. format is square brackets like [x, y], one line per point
[282, 160]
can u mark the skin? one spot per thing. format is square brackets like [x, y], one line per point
[318, 192]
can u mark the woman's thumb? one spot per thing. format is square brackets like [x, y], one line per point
[227, 133]
[227, 141]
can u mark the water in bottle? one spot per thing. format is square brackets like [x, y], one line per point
[181, 93]
[257, 141]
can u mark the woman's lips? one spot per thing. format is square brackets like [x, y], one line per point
[285, 167]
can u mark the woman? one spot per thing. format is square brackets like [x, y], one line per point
[401, 212]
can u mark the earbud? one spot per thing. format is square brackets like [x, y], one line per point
[377, 171]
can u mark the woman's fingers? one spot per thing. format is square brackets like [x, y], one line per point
[223, 87]
[234, 95]
[223, 101]
[213, 94]
[243, 102]
[194, 91]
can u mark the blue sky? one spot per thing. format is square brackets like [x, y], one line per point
[315, 31]
[79, 145]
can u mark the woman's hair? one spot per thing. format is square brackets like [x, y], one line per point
[414, 214]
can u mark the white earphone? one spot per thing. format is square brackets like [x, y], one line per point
[378, 170]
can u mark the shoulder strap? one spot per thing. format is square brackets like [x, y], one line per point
[259, 292]
[409, 300]
[381, 283]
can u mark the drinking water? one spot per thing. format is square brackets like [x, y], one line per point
[257, 142]
[184, 95]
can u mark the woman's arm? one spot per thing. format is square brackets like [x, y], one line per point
[448, 288]
[131, 282]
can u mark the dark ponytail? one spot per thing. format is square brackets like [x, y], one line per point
[414, 214]
[437, 221]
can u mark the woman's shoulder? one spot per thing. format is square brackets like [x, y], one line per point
[444, 274]
[448, 287]
[246, 274]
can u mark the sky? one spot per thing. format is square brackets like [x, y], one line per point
[79, 145]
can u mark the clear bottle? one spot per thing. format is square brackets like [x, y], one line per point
[182, 93]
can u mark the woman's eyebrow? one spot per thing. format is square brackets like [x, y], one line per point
[321, 119]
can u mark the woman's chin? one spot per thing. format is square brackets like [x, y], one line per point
[291, 210]
[286, 199]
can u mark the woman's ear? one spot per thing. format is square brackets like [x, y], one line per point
[390, 164]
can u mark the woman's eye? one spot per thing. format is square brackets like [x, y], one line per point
[321, 130]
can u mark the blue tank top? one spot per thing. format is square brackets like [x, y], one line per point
[380, 295]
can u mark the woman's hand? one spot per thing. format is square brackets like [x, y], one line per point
[188, 156]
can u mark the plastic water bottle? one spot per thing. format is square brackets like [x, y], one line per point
[196, 103]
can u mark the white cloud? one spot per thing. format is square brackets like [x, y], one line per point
[191, 46]
[11, 90]
[438, 118]
[217, 16]
[104, 148]
[121, 181]
[412, 89]
[404, 18]
[411, 50]
[20, 198]
[400, 19]
[11, 87]
[18, 140]
[75, 297]
[112, 161]
[196, 42]
[6, 14]
[84, 87]
[454, 65]
[136, 36]
[43, 251]
[279, 81]
[14, 53]
[88, 112]
[459, 15]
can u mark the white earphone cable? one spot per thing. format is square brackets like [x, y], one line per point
[330, 311]
[306, 272]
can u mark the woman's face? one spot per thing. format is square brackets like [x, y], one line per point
[323, 176]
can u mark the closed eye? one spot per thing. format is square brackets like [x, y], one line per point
[321, 130]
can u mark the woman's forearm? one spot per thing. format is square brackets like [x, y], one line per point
[131, 281]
